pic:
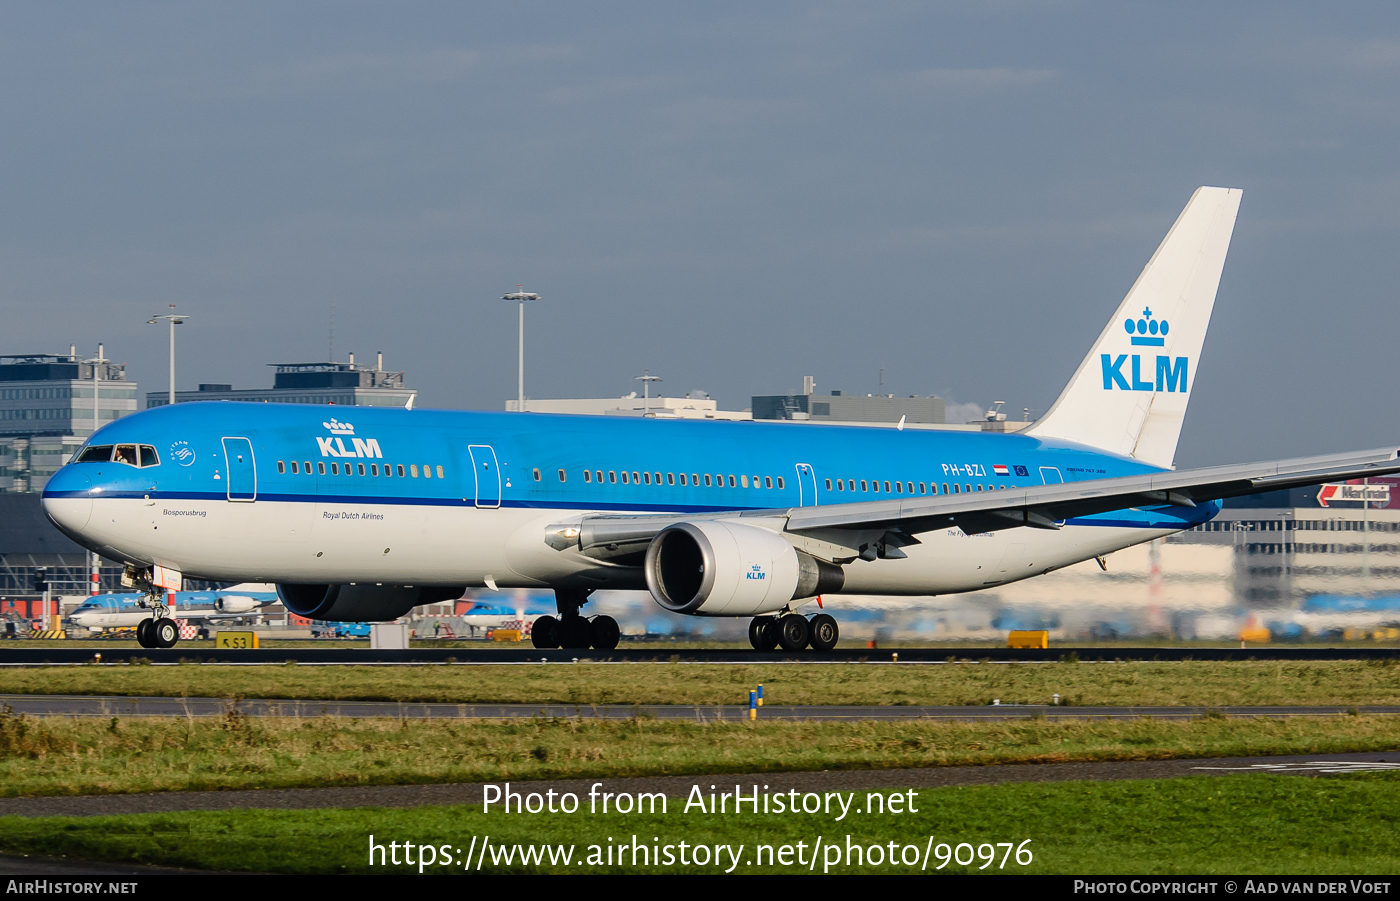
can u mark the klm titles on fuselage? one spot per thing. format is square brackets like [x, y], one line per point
[334, 446]
[1170, 374]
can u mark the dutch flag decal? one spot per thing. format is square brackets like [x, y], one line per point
[1000, 470]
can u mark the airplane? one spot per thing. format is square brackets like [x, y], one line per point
[362, 514]
[123, 609]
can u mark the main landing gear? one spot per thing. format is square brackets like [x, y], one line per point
[157, 632]
[794, 632]
[572, 630]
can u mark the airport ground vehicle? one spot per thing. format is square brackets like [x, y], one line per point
[365, 517]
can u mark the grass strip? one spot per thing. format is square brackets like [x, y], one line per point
[1244, 824]
[62, 756]
[1187, 683]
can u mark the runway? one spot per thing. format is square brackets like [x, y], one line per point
[117, 705]
[17, 654]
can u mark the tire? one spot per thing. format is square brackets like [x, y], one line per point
[574, 633]
[763, 634]
[793, 632]
[603, 632]
[545, 632]
[143, 633]
[165, 633]
[825, 632]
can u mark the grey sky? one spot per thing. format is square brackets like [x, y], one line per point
[732, 196]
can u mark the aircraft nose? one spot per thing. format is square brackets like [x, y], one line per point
[68, 499]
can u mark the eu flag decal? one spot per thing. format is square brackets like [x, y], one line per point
[1021, 471]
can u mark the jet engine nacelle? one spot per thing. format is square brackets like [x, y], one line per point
[361, 603]
[232, 603]
[722, 568]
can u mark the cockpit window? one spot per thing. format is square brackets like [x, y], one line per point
[126, 453]
[99, 454]
[148, 456]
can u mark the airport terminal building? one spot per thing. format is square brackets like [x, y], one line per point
[343, 384]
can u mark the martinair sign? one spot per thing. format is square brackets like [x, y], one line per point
[1375, 494]
[1170, 374]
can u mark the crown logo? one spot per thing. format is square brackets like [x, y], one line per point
[339, 428]
[1147, 331]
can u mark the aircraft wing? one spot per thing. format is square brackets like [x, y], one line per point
[622, 538]
[1043, 506]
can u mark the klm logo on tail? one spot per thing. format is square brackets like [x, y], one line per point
[1170, 373]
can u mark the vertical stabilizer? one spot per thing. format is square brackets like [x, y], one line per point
[1129, 395]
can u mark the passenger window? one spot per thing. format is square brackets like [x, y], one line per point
[126, 453]
[694, 479]
[899, 488]
[966, 489]
[374, 469]
[612, 476]
[536, 471]
[780, 482]
[682, 478]
[624, 477]
[979, 487]
[563, 477]
[670, 478]
[398, 470]
[646, 477]
[148, 456]
[99, 454]
[707, 480]
[587, 475]
[335, 469]
[732, 482]
[412, 469]
[887, 487]
[840, 484]
[656, 477]
[863, 486]
[598, 476]
[955, 488]
[359, 469]
[281, 467]
[295, 469]
[428, 472]
[634, 478]
[875, 485]
[743, 481]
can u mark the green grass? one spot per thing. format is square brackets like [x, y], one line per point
[62, 756]
[1193, 683]
[1246, 824]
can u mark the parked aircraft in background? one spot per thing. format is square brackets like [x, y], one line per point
[116, 611]
[363, 514]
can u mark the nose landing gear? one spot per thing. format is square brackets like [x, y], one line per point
[157, 632]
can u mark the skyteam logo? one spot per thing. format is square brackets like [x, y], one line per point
[335, 446]
[756, 572]
[182, 453]
[1146, 332]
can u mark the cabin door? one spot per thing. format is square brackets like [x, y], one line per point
[488, 475]
[242, 476]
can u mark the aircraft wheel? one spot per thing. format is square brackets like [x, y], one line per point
[164, 633]
[603, 632]
[763, 634]
[545, 632]
[825, 632]
[143, 633]
[793, 632]
[574, 632]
